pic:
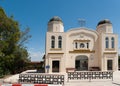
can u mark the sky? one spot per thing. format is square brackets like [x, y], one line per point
[35, 14]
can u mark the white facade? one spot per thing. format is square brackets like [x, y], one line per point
[81, 49]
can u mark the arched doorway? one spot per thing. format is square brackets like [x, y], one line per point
[81, 63]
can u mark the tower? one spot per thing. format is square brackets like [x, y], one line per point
[104, 26]
[55, 24]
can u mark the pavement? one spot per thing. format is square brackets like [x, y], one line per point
[116, 77]
[92, 83]
[1, 81]
[97, 82]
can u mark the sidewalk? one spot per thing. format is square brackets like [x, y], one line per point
[1, 81]
[94, 82]
[116, 77]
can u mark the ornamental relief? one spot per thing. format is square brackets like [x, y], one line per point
[83, 35]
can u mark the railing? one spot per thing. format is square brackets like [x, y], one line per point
[41, 78]
[90, 75]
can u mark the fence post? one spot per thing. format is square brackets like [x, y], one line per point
[89, 77]
[112, 75]
[67, 77]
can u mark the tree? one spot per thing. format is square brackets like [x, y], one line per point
[24, 36]
[13, 54]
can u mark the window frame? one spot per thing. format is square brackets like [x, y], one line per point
[76, 45]
[52, 41]
[59, 41]
[107, 42]
[112, 42]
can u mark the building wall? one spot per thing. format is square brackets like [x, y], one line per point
[81, 34]
[97, 53]
[109, 53]
[55, 53]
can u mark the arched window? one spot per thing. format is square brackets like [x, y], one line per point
[52, 41]
[60, 42]
[76, 45]
[87, 45]
[107, 42]
[112, 42]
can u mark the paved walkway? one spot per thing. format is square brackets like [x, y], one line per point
[92, 83]
[98, 82]
[1, 81]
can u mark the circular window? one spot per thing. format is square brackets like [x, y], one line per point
[82, 45]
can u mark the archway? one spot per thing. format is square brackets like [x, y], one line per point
[81, 63]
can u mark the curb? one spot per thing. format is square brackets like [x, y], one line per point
[28, 85]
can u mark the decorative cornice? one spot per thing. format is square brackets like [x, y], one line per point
[110, 52]
[82, 40]
[56, 53]
[83, 28]
[109, 49]
[82, 51]
[56, 49]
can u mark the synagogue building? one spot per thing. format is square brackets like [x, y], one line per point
[81, 49]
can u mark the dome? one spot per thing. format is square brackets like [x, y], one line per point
[55, 18]
[105, 21]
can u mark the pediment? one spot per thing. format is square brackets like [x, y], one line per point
[82, 34]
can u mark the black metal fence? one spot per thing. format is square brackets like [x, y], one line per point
[41, 78]
[90, 75]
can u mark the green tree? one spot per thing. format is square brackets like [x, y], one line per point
[24, 36]
[13, 54]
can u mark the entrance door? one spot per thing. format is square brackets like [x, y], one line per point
[55, 66]
[81, 63]
[109, 64]
[77, 64]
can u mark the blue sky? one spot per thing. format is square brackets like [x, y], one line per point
[36, 14]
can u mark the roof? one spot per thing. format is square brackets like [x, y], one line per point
[55, 18]
[105, 21]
